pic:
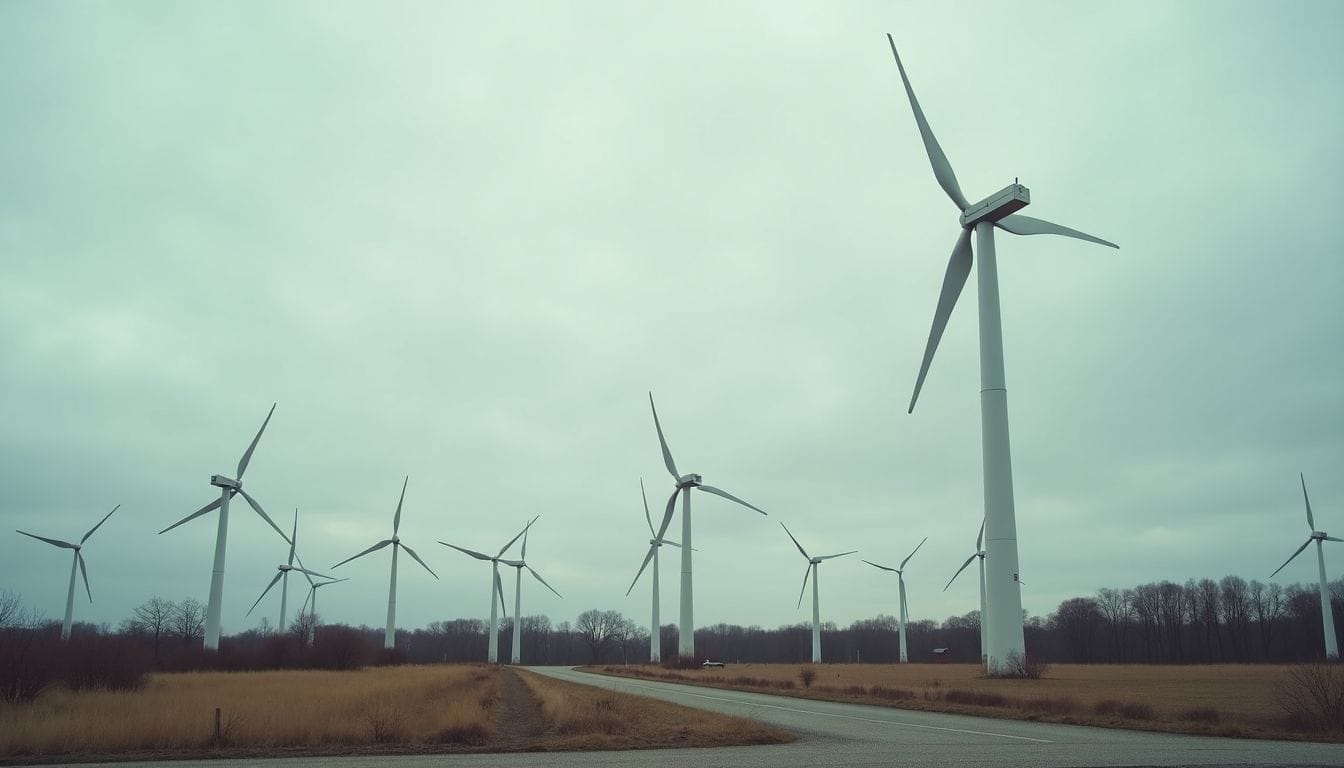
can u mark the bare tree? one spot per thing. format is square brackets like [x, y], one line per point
[1117, 610]
[153, 617]
[1236, 613]
[598, 630]
[11, 609]
[188, 620]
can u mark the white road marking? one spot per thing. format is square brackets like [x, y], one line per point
[842, 717]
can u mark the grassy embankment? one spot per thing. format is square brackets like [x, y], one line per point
[1225, 700]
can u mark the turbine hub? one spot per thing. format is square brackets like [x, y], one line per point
[689, 481]
[396, 539]
[221, 481]
[1318, 535]
[285, 567]
[1010, 199]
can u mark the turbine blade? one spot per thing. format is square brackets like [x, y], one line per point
[667, 455]
[411, 552]
[247, 455]
[883, 567]
[803, 591]
[795, 541]
[525, 532]
[499, 590]
[310, 574]
[505, 548]
[1332, 538]
[83, 572]
[374, 548]
[672, 543]
[642, 566]
[1027, 225]
[730, 497]
[537, 576]
[1289, 560]
[274, 581]
[667, 514]
[100, 523]
[396, 519]
[912, 553]
[57, 542]
[1311, 523]
[959, 570]
[311, 592]
[979, 539]
[842, 554]
[473, 553]
[253, 503]
[294, 538]
[905, 611]
[304, 570]
[958, 269]
[942, 169]
[647, 517]
[208, 507]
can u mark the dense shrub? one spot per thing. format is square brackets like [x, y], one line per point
[1313, 697]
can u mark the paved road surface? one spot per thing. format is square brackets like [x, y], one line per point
[853, 735]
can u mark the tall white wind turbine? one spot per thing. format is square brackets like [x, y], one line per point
[1327, 616]
[686, 632]
[282, 576]
[310, 602]
[496, 589]
[228, 488]
[812, 571]
[77, 562]
[656, 543]
[1004, 599]
[518, 566]
[979, 554]
[390, 633]
[904, 618]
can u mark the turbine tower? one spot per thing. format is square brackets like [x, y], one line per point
[904, 618]
[228, 488]
[811, 571]
[496, 589]
[77, 562]
[310, 602]
[1327, 616]
[390, 634]
[518, 566]
[1003, 599]
[282, 576]
[656, 543]
[686, 633]
[980, 554]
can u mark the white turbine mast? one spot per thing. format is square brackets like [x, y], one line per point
[904, 618]
[1327, 616]
[980, 555]
[518, 566]
[496, 588]
[390, 633]
[686, 626]
[812, 571]
[655, 543]
[1004, 598]
[282, 576]
[76, 563]
[310, 602]
[228, 488]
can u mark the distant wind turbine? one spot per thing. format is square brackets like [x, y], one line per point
[228, 487]
[1004, 599]
[1327, 616]
[812, 571]
[496, 590]
[390, 634]
[979, 554]
[686, 633]
[282, 576]
[77, 562]
[656, 543]
[518, 566]
[904, 618]
[310, 602]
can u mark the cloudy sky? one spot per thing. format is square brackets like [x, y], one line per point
[462, 241]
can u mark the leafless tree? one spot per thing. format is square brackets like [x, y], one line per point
[1236, 602]
[188, 620]
[153, 618]
[1117, 610]
[11, 609]
[598, 630]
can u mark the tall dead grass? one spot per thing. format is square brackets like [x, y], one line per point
[175, 712]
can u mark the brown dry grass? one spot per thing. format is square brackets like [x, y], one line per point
[582, 717]
[1225, 699]
[277, 711]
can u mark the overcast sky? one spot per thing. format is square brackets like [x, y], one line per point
[462, 241]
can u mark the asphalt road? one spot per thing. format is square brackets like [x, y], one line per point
[832, 734]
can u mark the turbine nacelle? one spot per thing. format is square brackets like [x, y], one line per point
[690, 481]
[221, 481]
[1008, 200]
[1317, 535]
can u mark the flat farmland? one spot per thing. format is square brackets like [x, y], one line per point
[1260, 701]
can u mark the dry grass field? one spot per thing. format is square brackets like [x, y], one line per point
[1226, 700]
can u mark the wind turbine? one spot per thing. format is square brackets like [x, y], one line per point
[686, 633]
[1003, 599]
[76, 562]
[497, 589]
[1327, 616]
[656, 543]
[282, 575]
[811, 571]
[310, 602]
[228, 487]
[518, 566]
[904, 618]
[390, 634]
[979, 553]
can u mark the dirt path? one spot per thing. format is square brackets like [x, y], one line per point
[518, 717]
